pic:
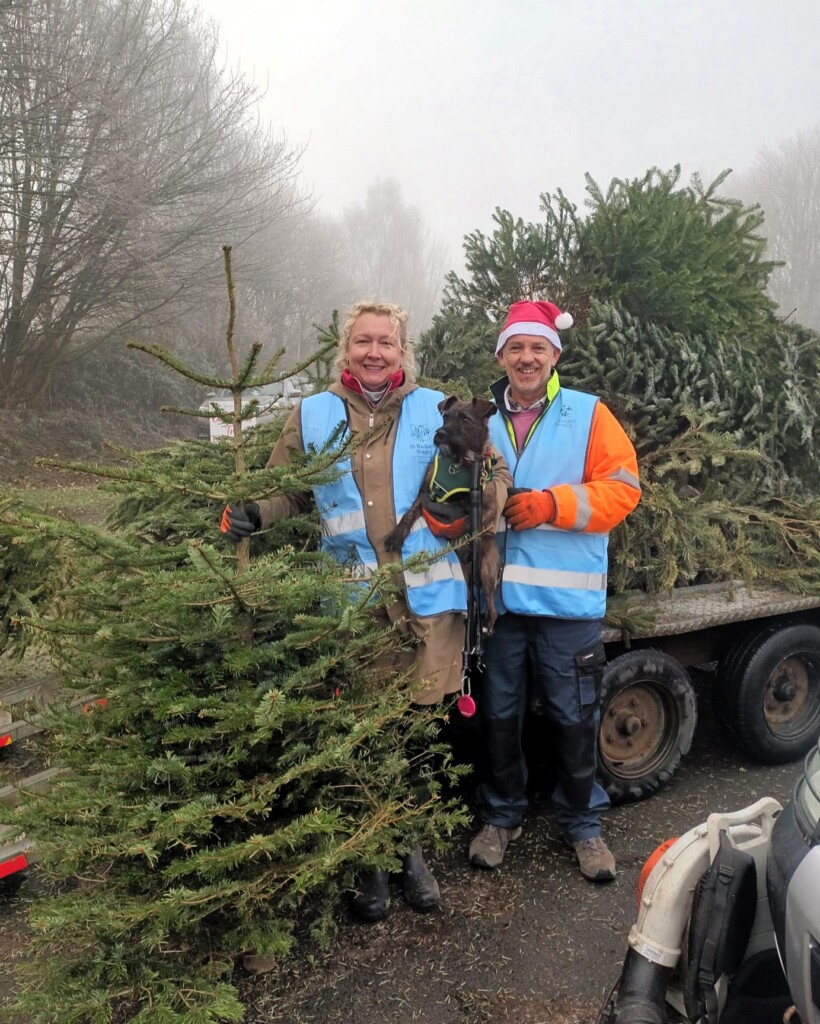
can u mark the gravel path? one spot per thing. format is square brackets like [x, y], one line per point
[532, 942]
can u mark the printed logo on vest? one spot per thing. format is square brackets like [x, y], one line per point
[567, 416]
[421, 442]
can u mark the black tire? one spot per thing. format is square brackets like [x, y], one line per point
[648, 718]
[768, 692]
[10, 884]
[724, 691]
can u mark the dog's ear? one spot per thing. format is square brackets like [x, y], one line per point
[485, 407]
[444, 405]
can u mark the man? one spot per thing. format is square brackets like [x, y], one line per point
[575, 476]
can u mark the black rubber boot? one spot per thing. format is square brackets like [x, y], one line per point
[418, 885]
[371, 898]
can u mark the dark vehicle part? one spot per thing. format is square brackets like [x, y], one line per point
[768, 691]
[648, 717]
[723, 912]
[10, 884]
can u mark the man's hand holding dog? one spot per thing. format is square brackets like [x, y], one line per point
[527, 509]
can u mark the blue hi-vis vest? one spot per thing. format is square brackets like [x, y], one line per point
[441, 587]
[548, 571]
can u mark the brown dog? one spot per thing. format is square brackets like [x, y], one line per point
[461, 440]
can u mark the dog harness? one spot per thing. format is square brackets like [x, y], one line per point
[446, 504]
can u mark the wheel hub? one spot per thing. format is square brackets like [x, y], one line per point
[787, 692]
[634, 729]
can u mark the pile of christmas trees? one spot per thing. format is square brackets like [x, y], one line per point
[674, 330]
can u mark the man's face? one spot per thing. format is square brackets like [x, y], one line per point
[528, 359]
[373, 352]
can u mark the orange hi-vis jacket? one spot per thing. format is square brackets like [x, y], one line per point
[578, 451]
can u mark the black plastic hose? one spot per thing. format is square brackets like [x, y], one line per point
[641, 997]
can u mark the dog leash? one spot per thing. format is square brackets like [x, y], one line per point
[472, 656]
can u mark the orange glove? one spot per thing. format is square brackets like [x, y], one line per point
[445, 519]
[444, 523]
[236, 524]
[529, 509]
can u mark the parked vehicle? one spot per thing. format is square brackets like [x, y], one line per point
[272, 399]
[729, 920]
[765, 643]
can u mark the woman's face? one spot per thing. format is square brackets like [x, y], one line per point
[373, 351]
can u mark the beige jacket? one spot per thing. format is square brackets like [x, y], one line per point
[436, 661]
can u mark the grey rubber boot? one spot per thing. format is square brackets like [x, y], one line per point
[418, 884]
[371, 897]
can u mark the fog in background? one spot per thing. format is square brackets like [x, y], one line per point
[345, 148]
[472, 104]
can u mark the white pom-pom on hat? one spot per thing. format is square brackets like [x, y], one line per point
[563, 321]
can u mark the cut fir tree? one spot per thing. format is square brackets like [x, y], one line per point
[249, 756]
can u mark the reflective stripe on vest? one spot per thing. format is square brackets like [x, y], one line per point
[440, 587]
[549, 571]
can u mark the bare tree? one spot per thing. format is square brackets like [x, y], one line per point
[785, 181]
[127, 156]
[392, 253]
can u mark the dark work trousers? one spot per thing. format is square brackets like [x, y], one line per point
[554, 666]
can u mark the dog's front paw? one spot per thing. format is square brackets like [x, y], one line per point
[392, 542]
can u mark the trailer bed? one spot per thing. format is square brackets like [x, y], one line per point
[699, 607]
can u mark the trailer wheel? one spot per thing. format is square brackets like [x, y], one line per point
[10, 884]
[768, 692]
[648, 717]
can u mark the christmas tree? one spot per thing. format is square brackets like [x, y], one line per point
[247, 755]
[675, 332]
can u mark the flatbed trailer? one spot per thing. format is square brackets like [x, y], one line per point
[765, 644]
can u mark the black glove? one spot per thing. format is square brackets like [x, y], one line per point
[238, 523]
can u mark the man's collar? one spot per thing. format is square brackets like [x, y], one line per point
[553, 386]
[513, 406]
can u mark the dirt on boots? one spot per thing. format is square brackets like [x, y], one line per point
[595, 861]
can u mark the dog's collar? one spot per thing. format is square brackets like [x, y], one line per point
[485, 456]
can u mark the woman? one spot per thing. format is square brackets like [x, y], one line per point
[376, 395]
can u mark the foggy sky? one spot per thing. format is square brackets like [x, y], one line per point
[473, 104]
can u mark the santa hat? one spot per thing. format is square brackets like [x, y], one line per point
[543, 319]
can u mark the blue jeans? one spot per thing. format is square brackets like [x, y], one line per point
[555, 667]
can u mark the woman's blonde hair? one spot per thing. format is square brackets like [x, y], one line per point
[398, 318]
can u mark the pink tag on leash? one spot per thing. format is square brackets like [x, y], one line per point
[466, 705]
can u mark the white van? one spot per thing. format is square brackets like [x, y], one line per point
[273, 399]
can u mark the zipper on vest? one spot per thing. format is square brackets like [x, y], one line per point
[372, 419]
